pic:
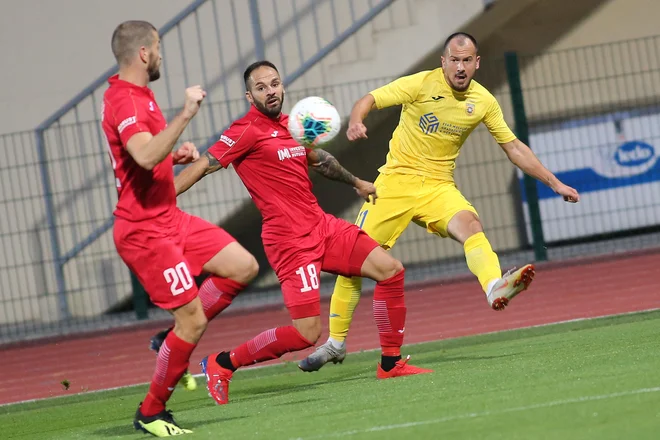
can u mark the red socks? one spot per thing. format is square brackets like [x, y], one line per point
[270, 344]
[172, 362]
[217, 293]
[390, 313]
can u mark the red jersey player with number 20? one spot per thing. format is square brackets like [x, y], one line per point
[162, 245]
[300, 239]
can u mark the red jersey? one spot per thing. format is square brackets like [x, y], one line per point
[274, 169]
[129, 109]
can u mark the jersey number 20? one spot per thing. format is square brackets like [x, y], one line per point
[179, 279]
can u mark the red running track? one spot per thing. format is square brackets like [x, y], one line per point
[576, 290]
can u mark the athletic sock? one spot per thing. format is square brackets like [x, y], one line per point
[217, 293]
[481, 260]
[270, 344]
[172, 361]
[390, 314]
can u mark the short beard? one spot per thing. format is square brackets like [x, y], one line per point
[463, 89]
[153, 70]
[270, 112]
[153, 74]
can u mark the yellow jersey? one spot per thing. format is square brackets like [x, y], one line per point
[435, 122]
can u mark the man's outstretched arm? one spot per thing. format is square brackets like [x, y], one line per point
[205, 165]
[328, 166]
[524, 158]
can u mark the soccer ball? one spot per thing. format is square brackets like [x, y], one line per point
[313, 121]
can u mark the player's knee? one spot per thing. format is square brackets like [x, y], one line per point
[247, 270]
[243, 269]
[380, 265]
[470, 223]
[474, 226]
[463, 225]
[390, 268]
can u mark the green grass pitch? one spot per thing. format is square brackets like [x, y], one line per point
[595, 379]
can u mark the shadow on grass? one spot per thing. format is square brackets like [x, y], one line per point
[126, 428]
[266, 391]
[438, 358]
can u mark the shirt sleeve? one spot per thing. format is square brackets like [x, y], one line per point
[234, 143]
[400, 91]
[130, 118]
[498, 128]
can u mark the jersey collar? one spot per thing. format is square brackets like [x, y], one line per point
[116, 82]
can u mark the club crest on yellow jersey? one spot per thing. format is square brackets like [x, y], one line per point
[469, 108]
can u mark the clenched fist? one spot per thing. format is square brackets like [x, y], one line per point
[194, 97]
[356, 130]
[569, 194]
[186, 153]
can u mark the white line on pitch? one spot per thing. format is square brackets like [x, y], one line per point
[485, 413]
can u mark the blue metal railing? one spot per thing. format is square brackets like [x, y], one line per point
[43, 159]
[259, 47]
[263, 42]
[318, 56]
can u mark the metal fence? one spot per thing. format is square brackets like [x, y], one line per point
[186, 50]
[592, 116]
[597, 127]
[72, 271]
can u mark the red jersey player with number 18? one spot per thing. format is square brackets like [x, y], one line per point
[300, 239]
[162, 245]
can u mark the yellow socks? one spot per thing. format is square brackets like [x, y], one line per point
[481, 260]
[342, 305]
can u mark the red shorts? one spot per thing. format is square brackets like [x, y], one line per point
[165, 259]
[334, 246]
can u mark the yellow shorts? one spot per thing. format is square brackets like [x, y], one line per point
[404, 198]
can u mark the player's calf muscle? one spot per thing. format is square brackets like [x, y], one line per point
[191, 331]
[309, 328]
[391, 267]
[190, 321]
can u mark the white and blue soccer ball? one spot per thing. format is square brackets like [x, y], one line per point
[313, 122]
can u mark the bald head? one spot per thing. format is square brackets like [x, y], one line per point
[129, 37]
[461, 40]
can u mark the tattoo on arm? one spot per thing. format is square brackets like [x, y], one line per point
[325, 164]
[214, 164]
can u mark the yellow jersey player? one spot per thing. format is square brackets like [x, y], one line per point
[440, 108]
